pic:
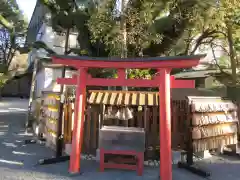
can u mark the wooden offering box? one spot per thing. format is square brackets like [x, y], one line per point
[122, 138]
[124, 141]
[214, 123]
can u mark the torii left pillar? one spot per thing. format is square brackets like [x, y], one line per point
[165, 125]
[77, 139]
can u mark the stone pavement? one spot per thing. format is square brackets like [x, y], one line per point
[17, 160]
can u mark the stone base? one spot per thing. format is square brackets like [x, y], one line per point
[50, 145]
[220, 149]
[232, 147]
[204, 154]
[68, 148]
[97, 155]
[177, 156]
[238, 148]
[35, 128]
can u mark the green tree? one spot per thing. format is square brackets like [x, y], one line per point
[227, 25]
[153, 27]
[13, 25]
[10, 44]
[11, 17]
[217, 27]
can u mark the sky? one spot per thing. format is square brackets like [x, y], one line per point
[27, 6]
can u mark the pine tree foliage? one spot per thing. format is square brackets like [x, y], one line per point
[11, 17]
[154, 27]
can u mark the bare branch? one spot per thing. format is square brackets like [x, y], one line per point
[188, 42]
[206, 34]
[221, 46]
[11, 57]
[216, 61]
[8, 47]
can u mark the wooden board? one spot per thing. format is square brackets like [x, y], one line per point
[209, 106]
[50, 114]
[214, 143]
[214, 118]
[214, 123]
[213, 131]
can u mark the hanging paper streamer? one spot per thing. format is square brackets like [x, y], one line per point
[121, 113]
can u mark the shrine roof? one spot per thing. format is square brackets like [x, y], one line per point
[138, 59]
[119, 98]
[148, 98]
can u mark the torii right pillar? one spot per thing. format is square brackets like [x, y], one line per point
[165, 124]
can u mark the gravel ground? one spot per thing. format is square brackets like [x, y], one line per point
[18, 161]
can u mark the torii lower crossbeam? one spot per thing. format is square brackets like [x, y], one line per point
[164, 66]
[127, 82]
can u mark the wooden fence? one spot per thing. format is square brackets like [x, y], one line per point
[150, 113]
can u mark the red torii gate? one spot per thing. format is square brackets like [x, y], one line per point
[164, 81]
[128, 82]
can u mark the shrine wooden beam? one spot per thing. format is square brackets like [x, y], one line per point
[122, 81]
[128, 82]
[127, 63]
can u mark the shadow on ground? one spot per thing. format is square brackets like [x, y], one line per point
[18, 161]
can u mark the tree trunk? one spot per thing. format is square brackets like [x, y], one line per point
[124, 36]
[1, 93]
[232, 53]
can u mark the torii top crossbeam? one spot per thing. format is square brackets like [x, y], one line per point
[127, 63]
[121, 64]
[163, 81]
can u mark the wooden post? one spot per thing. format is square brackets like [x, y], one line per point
[29, 120]
[145, 119]
[165, 126]
[190, 140]
[101, 115]
[77, 138]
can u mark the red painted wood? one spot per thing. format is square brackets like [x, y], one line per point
[165, 125]
[181, 83]
[164, 83]
[140, 163]
[121, 74]
[102, 159]
[77, 137]
[67, 81]
[128, 82]
[138, 167]
[121, 82]
[126, 64]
